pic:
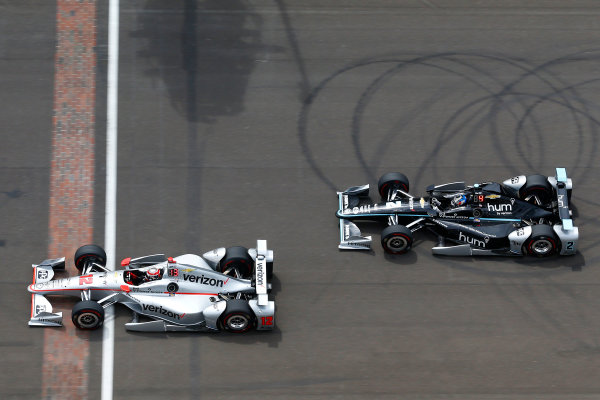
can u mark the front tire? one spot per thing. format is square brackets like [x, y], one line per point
[238, 317]
[396, 239]
[87, 315]
[89, 253]
[391, 181]
[542, 242]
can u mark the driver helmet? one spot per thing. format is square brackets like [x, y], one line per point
[459, 200]
[153, 274]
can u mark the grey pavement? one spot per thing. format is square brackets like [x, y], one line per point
[240, 122]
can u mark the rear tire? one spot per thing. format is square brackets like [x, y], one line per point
[238, 317]
[89, 253]
[391, 181]
[396, 239]
[542, 242]
[270, 270]
[237, 258]
[87, 315]
[537, 186]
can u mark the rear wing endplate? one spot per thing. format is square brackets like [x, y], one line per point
[562, 198]
[260, 272]
[566, 231]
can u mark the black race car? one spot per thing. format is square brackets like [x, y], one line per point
[522, 215]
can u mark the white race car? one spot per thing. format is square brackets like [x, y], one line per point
[224, 289]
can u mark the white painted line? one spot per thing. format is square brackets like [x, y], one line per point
[110, 224]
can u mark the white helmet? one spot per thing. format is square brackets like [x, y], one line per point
[153, 274]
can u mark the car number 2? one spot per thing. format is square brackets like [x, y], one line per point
[86, 279]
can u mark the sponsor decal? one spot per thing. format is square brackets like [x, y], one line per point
[471, 240]
[453, 216]
[86, 279]
[162, 311]
[203, 280]
[260, 273]
[358, 210]
[503, 208]
[422, 201]
[39, 308]
[142, 290]
[440, 223]
[393, 204]
[561, 200]
[411, 204]
[42, 274]
[492, 196]
[45, 320]
[345, 197]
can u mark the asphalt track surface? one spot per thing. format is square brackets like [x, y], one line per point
[240, 122]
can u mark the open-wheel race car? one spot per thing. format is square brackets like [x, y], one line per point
[522, 215]
[224, 289]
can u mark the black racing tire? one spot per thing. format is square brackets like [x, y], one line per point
[542, 242]
[238, 258]
[172, 287]
[87, 315]
[89, 252]
[396, 239]
[237, 317]
[270, 270]
[537, 185]
[390, 181]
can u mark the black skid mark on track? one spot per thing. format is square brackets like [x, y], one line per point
[475, 116]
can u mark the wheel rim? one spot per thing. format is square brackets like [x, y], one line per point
[238, 322]
[88, 320]
[237, 269]
[397, 243]
[541, 247]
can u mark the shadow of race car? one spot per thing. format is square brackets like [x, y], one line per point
[522, 215]
[224, 289]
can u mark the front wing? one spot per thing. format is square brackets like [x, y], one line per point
[41, 309]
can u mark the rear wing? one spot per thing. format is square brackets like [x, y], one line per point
[566, 231]
[41, 309]
[350, 236]
[263, 308]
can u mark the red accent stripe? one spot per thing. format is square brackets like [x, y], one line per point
[70, 290]
[196, 294]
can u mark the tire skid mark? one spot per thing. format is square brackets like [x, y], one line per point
[530, 96]
[528, 133]
[66, 352]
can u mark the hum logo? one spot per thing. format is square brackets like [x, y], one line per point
[471, 240]
[503, 208]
